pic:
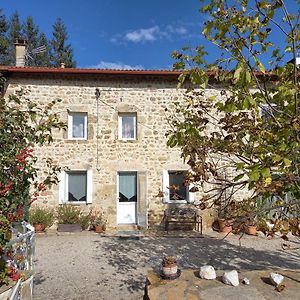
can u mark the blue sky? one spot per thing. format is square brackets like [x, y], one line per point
[118, 33]
[125, 34]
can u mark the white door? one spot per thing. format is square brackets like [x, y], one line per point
[127, 197]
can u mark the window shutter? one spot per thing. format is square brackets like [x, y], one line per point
[191, 198]
[62, 187]
[165, 186]
[89, 187]
[70, 126]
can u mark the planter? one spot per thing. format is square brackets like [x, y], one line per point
[69, 228]
[23, 288]
[39, 227]
[251, 229]
[170, 270]
[99, 228]
[225, 226]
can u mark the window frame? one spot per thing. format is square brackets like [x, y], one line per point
[70, 125]
[64, 187]
[166, 190]
[120, 125]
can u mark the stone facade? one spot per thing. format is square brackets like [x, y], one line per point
[103, 153]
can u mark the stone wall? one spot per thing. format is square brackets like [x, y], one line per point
[103, 152]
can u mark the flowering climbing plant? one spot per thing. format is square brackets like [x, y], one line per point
[23, 126]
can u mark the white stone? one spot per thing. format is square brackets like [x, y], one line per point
[207, 272]
[261, 234]
[276, 278]
[246, 281]
[231, 278]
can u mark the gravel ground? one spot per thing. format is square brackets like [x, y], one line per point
[89, 266]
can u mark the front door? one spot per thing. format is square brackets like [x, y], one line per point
[127, 197]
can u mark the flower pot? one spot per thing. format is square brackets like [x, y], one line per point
[225, 226]
[69, 228]
[251, 229]
[170, 270]
[99, 228]
[39, 227]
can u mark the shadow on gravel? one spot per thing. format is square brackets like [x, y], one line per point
[129, 258]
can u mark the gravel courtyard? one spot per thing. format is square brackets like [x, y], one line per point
[89, 266]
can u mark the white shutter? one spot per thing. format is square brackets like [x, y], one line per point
[70, 126]
[165, 187]
[62, 187]
[89, 187]
[191, 195]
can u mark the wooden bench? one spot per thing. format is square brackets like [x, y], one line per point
[179, 215]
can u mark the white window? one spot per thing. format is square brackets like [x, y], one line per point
[127, 126]
[75, 187]
[175, 189]
[77, 126]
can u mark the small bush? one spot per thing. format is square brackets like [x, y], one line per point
[68, 214]
[39, 215]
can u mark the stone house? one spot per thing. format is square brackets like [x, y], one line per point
[114, 152]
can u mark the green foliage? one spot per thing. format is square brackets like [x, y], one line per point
[23, 125]
[61, 52]
[14, 32]
[69, 214]
[15, 29]
[40, 215]
[246, 135]
[3, 38]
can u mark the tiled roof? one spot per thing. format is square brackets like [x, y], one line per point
[40, 70]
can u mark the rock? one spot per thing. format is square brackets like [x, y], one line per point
[261, 234]
[231, 278]
[276, 278]
[207, 272]
[246, 281]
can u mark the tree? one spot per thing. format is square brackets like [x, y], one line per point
[43, 59]
[30, 33]
[3, 38]
[23, 125]
[14, 33]
[247, 135]
[61, 52]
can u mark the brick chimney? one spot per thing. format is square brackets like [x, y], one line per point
[20, 45]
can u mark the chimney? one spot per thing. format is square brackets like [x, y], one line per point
[62, 65]
[20, 45]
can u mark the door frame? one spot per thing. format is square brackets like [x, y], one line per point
[137, 197]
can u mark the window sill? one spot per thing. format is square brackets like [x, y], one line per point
[77, 139]
[128, 141]
[177, 202]
[76, 203]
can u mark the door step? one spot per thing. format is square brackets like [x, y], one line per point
[129, 227]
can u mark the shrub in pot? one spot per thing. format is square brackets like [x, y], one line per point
[169, 267]
[41, 218]
[98, 221]
[72, 218]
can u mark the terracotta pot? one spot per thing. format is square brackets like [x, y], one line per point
[99, 228]
[39, 227]
[225, 226]
[251, 229]
[170, 270]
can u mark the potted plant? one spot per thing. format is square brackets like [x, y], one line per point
[41, 218]
[225, 217]
[169, 267]
[98, 222]
[72, 219]
[251, 227]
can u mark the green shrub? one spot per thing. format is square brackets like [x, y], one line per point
[69, 214]
[39, 215]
